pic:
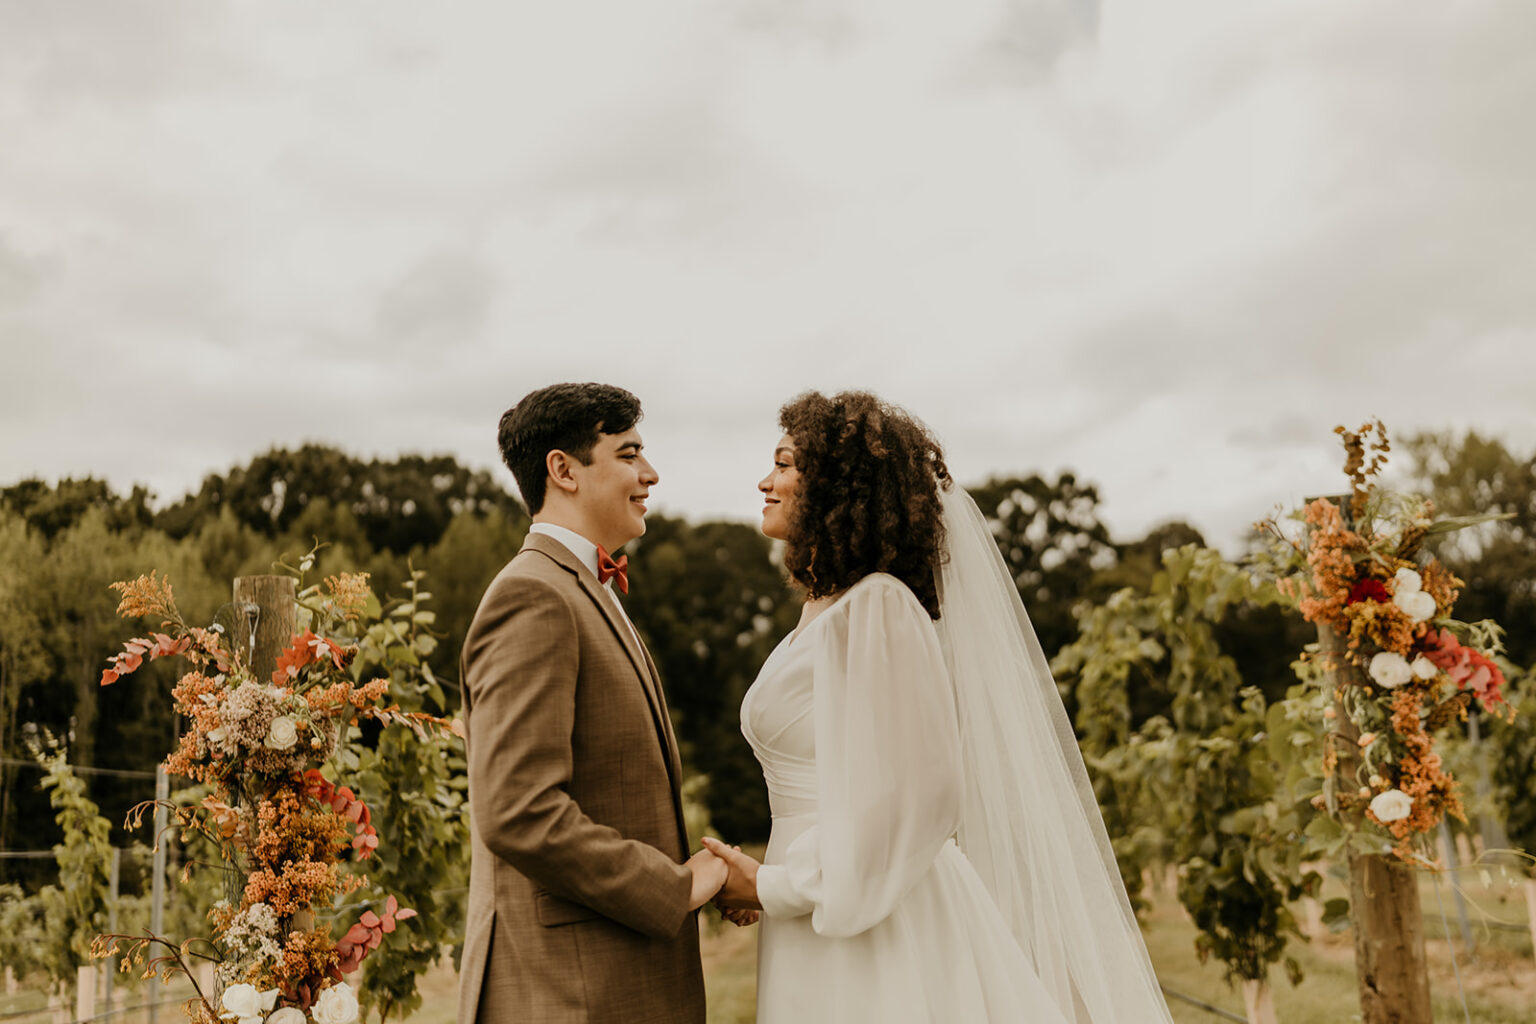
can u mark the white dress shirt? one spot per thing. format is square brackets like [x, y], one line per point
[586, 553]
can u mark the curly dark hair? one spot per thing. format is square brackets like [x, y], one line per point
[868, 497]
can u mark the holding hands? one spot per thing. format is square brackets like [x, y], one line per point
[729, 877]
[709, 874]
[737, 898]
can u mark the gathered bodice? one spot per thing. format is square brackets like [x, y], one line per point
[777, 720]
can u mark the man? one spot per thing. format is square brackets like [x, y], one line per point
[582, 894]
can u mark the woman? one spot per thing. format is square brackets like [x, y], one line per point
[912, 708]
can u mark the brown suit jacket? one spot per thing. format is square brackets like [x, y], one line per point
[578, 898]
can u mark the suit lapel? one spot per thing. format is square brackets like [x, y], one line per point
[640, 658]
[674, 757]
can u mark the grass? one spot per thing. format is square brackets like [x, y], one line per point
[1500, 981]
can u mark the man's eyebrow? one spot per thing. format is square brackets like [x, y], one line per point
[636, 445]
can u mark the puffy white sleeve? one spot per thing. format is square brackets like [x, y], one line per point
[888, 767]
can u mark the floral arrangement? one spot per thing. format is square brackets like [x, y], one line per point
[1401, 667]
[289, 836]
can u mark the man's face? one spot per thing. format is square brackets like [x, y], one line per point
[612, 489]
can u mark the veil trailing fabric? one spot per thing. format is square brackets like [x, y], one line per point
[1030, 822]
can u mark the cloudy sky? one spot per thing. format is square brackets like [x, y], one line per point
[1168, 245]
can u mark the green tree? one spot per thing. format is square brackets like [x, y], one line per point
[711, 605]
[52, 929]
[416, 787]
[399, 503]
[1474, 475]
[1199, 786]
[52, 509]
[23, 663]
[1051, 538]
[461, 565]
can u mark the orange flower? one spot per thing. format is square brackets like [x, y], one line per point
[349, 592]
[145, 595]
[307, 649]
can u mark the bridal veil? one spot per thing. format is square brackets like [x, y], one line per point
[1030, 823]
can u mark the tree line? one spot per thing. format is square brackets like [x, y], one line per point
[710, 598]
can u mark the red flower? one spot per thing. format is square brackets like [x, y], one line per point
[1468, 669]
[1368, 589]
[365, 936]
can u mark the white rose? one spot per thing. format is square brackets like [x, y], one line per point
[288, 1015]
[1407, 581]
[1424, 668]
[1393, 805]
[268, 1000]
[1389, 669]
[336, 1005]
[1415, 604]
[283, 733]
[242, 1001]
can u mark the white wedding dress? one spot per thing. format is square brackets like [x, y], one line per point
[871, 910]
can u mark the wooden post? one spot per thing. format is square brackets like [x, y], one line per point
[1312, 917]
[267, 624]
[157, 875]
[1464, 854]
[208, 981]
[85, 992]
[1453, 861]
[1390, 963]
[109, 967]
[10, 980]
[1259, 999]
[1530, 910]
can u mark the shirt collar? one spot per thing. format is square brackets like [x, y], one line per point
[584, 550]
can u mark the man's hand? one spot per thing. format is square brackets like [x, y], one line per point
[709, 874]
[740, 889]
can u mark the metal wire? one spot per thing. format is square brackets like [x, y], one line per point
[1192, 1001]
[122, 773]
[19, 1014]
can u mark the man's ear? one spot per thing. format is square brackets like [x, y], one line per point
[560, 468]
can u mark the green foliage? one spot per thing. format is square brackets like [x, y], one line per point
[1511, 747]
[415, 787]
[51, 930]
[1198, 786]
[1470, 475]
[1240, 863]
[711, 605]
[393, 505]
[1052, 540]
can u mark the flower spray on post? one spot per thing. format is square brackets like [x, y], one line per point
[1400, 667]
[288, 831]
[1391, 668]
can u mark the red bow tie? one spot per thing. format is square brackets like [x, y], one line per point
[608, 569]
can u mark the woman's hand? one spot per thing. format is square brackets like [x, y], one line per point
[740, 889]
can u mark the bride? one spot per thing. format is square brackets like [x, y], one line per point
[936, 852]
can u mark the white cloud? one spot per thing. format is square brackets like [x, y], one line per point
[1165, 245]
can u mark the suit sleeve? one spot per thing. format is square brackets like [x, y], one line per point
[888, 766]
[520, 669]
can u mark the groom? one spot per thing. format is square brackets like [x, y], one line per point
[582, 894]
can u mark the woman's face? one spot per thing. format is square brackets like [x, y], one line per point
[779, 489]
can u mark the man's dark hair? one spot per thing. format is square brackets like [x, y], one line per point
[567, 417]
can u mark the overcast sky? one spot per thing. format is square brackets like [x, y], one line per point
[1165, 244]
